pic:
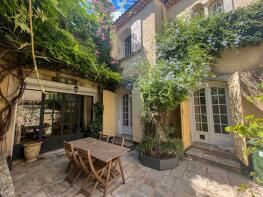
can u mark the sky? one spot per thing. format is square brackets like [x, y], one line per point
[122, 6]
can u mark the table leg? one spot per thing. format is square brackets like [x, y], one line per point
[107, 179]
[122, 173]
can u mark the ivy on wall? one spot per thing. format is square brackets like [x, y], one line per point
[187, 50]
[69, 34]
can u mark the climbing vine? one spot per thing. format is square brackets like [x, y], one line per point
[187, 50]
[72, 35]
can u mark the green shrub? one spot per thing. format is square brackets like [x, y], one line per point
[161, 149]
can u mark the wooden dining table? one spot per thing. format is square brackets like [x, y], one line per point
[106, 152]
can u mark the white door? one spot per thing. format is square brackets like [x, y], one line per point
[126, 115]
[211, 116]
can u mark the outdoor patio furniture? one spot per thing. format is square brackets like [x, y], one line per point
[93, 168]
[104, 137]
[118, 140]
[105, 152]
[74, 168]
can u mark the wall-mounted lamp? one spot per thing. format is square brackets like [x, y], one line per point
[76, 87]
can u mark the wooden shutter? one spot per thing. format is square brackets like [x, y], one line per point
[136, 115]
[109, 113]
[136, 35]
[186, 123]
[228, 5]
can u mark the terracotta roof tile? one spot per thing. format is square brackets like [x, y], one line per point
[135, 8]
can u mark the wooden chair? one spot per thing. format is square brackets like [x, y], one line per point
[74, 164]
[118, 141]
[93, 168]
[104, 138]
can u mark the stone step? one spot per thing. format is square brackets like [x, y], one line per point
[223, 151]
[213, 158]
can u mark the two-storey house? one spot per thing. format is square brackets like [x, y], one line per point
[219, 102]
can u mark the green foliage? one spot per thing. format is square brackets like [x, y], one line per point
[251, 129]
[161, 149]
[95, 126]
[187, 50]
[67, 34]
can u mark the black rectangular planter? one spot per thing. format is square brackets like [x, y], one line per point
[166, 164]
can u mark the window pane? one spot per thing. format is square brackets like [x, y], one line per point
[203, 109]
[217, 128]
[221, 91]
[204, 118]
[197, 118]
[205, 127]
[196, 100]
[216, 119]
[214, 100]
[197, 109]
[215, 109]
[202, 92]
[202, 100]
[198, 127]
[223, 109]
[222, 99]
[224, 119]
[214, 91]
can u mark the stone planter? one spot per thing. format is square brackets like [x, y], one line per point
[157, 164]
[31, 150]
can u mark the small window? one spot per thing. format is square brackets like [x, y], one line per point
[198, 10]
[216, 8]
[127, 46]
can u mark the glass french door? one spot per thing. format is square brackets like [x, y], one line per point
[126, 114]
[211, 116]
[53, 117]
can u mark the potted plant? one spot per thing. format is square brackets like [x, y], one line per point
[32, 149]
[160, 154]
[158, 148]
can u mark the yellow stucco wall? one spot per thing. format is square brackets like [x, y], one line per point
[109, 113]
[242, 3]
[241, 59]
[186, 123]
[237, 114]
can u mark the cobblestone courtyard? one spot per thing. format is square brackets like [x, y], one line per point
[44, 178]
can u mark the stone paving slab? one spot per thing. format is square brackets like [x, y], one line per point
[44, 178]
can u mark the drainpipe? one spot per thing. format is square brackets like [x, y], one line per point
[233, 5]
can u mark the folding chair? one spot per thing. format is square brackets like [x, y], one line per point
[118, 140]
[93, 168]
[73, 163]
[104, 138]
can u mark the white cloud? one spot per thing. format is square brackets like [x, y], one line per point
[117, 14]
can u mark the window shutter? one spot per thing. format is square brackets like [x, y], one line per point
[136, 35]
[136, 115]
[186, 122]
[228, 5]
[109, 113]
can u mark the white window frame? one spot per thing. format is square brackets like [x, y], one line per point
[215, 9]
[211, 136]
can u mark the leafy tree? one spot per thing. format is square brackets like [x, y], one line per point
[69, 34]
[187, 50]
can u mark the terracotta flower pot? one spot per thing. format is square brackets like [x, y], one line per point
[31, 150]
